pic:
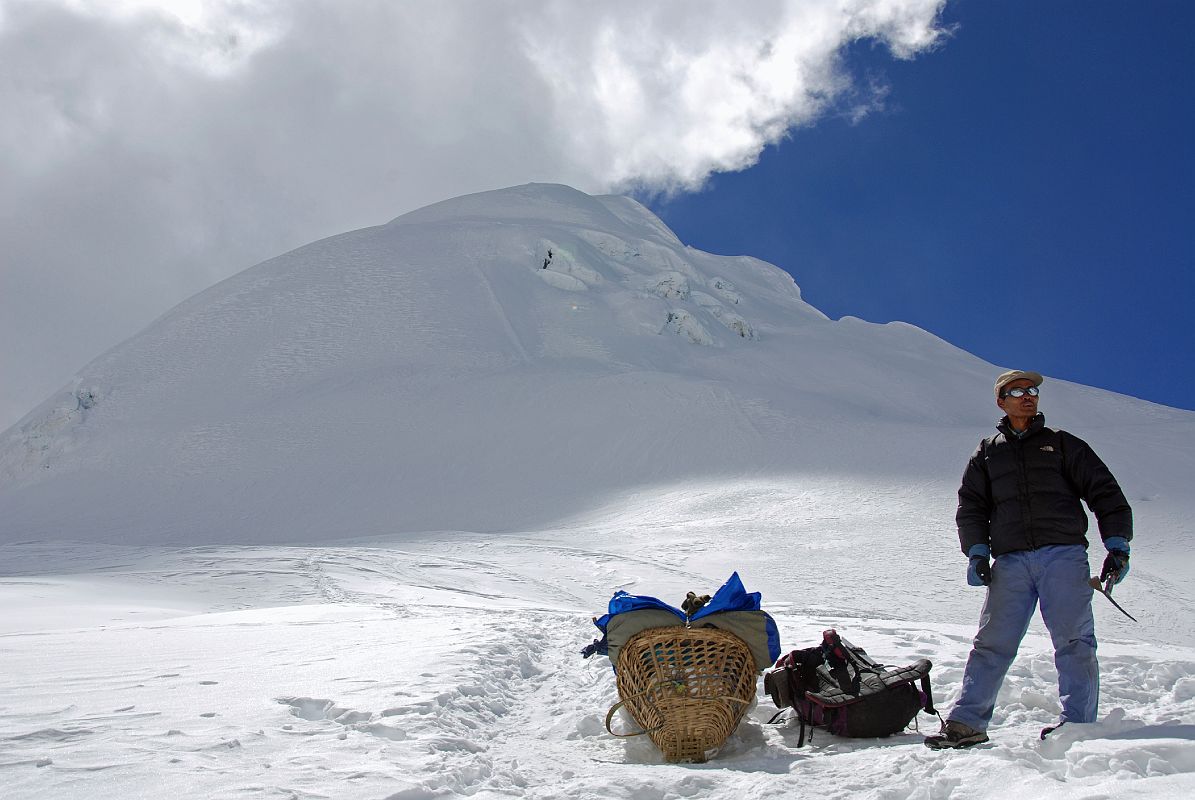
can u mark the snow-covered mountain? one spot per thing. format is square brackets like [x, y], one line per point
[499, 361]
[337, 526]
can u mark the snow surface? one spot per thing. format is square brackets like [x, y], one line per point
[337, 526]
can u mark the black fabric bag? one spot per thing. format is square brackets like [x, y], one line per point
[836, 686]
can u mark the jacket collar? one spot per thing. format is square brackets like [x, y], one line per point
[1035, 426]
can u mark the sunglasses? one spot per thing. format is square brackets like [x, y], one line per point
[1032, 391]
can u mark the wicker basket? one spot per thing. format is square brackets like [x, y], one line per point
[688, 688]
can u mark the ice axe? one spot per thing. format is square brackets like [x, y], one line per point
[1106, 591]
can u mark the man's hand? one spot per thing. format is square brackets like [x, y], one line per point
[1116, 563]
[979, 570]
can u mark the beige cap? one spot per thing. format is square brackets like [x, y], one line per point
[1016, 375]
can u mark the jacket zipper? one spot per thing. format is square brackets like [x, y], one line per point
[1023, 490]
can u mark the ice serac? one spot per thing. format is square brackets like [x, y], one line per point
[493, 361]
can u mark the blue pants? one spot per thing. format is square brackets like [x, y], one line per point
[1057, 576]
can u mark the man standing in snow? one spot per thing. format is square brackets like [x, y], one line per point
[1020, 502]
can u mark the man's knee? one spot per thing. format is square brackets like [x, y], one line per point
[1076, 644]
[998, 645]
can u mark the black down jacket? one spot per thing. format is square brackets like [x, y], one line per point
[1022, 493]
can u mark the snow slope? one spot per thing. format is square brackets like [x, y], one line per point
[433, 374]
[336, 527]
[447, 666]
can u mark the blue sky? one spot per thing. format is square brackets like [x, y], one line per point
[1026, 194]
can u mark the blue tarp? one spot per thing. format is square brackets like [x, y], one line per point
[731, 597]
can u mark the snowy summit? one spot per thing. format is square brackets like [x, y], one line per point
[336, 527]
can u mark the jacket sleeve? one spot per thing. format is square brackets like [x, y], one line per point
[1095, 484]
[974, 503]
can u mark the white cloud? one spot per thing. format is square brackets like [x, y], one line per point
[150, 148]
[667, 95]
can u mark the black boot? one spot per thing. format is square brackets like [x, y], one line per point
[955, 735]
[1046, 731]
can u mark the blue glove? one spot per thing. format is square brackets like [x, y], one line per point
[1116, 564]
[979, 571]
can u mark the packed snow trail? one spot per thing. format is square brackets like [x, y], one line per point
[448, 665]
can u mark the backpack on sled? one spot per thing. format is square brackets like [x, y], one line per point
[836, 686]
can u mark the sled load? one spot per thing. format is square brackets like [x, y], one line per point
[687, 676]
[838, 687]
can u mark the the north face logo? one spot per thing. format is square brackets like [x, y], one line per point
[1049, 448]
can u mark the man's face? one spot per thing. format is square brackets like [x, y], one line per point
[1023, 406]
